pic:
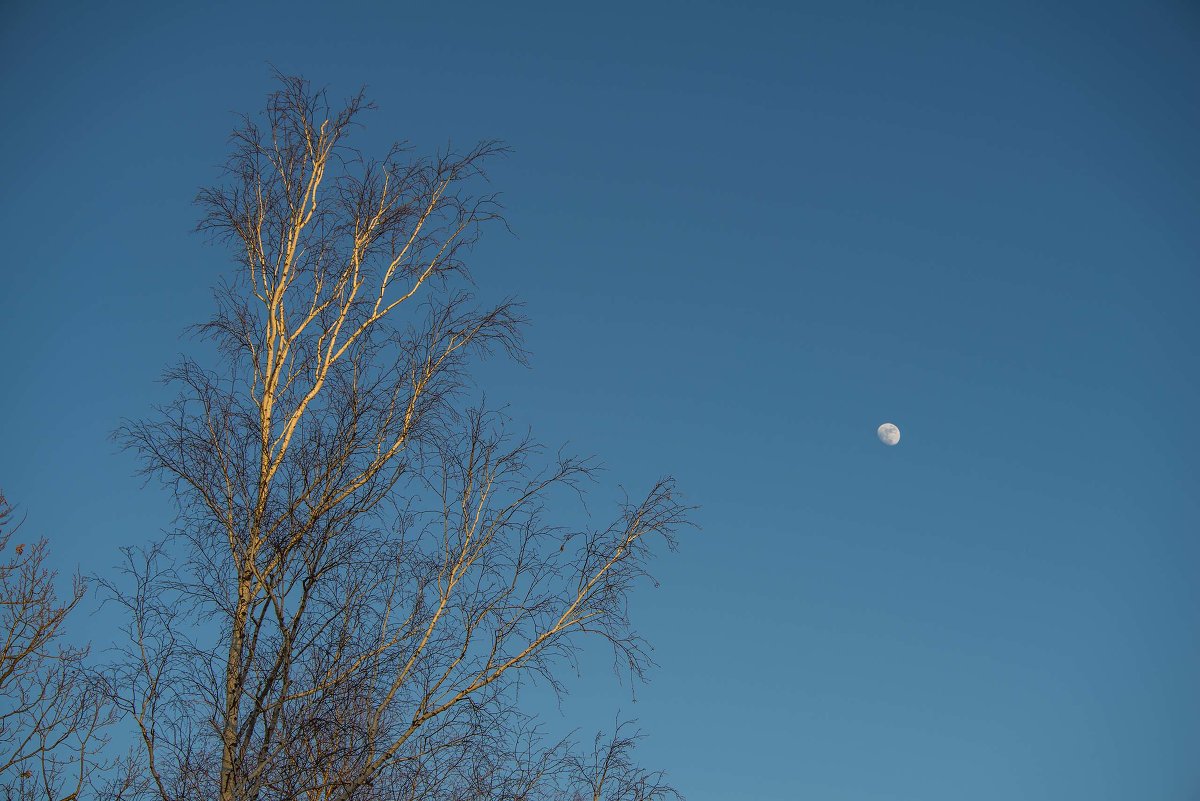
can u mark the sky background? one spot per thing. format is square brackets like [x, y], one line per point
[746, 236]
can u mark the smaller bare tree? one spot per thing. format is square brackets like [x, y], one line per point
[52, 709]
[610, 772]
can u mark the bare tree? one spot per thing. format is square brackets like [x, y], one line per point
[52, 710]
[365, 565]
[610, 773]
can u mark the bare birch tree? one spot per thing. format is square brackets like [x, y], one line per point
[52, 709]
[365, 563]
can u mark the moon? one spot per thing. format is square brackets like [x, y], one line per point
[888, 434]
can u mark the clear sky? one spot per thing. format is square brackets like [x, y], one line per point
[747, 235]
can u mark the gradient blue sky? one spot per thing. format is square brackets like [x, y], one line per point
[746, 235]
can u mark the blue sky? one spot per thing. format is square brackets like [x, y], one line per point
[746, 237]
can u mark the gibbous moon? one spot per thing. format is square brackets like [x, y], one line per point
[888, 434]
